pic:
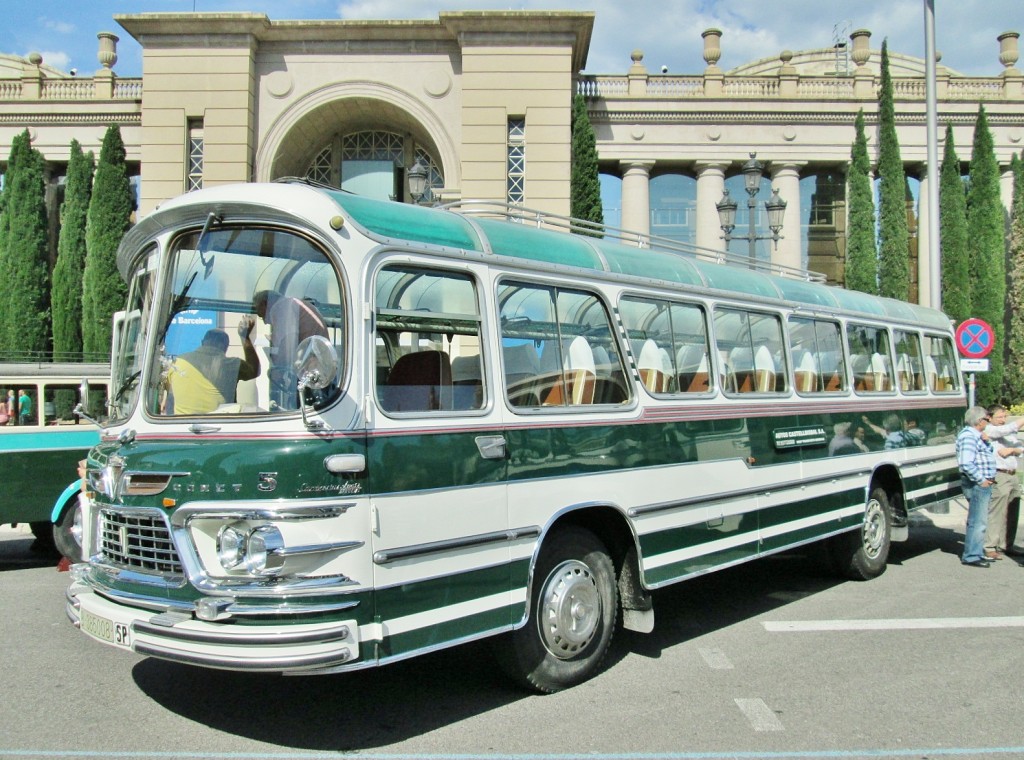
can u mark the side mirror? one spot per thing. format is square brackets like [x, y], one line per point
[82, 408]
[317, 367]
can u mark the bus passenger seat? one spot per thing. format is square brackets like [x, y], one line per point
[521, 370]
[693, 369]
[419, 382]
[741, 366]
[652, 369]
[578, 375]
[467, 382]
[806, 374]
[764, 370]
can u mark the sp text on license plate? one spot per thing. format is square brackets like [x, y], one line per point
[107, 630]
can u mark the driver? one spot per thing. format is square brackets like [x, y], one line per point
[204, 379]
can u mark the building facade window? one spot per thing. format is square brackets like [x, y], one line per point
[515, 193]
[371, 163]
[194, 180]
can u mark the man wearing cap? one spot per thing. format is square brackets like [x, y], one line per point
[977, 462]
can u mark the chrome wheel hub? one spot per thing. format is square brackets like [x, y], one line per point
[570, 609]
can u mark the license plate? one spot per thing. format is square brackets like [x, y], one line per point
[102, 628]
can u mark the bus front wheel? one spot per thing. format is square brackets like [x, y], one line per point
[862, 555]
[67, 533]
[573, 610]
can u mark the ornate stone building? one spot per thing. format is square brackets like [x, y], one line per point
[482, 101]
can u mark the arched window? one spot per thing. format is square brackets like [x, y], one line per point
[371, 163]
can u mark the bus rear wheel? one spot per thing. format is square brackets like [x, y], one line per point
[862, 555]
[573, 611]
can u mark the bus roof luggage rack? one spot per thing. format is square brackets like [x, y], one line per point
[543, 219]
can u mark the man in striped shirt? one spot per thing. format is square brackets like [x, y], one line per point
[977, 461]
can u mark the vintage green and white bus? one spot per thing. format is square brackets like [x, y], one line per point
[41, 441]
[466, 426]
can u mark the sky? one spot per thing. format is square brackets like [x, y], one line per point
[668, 31]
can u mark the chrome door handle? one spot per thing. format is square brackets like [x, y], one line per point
[491, 446]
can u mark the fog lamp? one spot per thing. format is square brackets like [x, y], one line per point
[231, 545]
[264, 551]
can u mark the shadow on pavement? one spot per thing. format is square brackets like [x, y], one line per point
[340, 713]
[22, 551]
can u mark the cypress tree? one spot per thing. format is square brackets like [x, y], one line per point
[861, 256]
[109, 217]
[70, 266]
[894, 236]
[1013, 378]
[985, 226]
[585, 185]
[956, 291]
[25, 285]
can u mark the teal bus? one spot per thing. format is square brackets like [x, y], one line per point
[41, 440]
[468, 422]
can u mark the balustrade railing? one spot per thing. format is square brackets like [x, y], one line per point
[656, 86]
[78, 89]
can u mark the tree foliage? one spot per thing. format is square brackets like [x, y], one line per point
[956, 286]
[1013, 377]
[585, 184]
[893, 233]
[985, 224]
[25, 285]
[861, 255]
[70, 267]
[109, 218]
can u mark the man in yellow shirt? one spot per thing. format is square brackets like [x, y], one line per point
[204, 379]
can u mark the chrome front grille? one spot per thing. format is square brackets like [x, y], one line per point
[139, 540]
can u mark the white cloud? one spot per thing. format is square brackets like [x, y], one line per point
[56, 59]
[56, 25]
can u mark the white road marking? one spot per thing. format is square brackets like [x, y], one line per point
[761, 717]
[715, 659]
[802, 626]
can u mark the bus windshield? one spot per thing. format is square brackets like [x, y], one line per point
[239, 302]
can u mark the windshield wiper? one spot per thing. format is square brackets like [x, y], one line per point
[127, 384]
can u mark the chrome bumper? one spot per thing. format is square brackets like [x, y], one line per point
[179, 637]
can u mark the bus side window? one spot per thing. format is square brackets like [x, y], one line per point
[428, 344]
[669, 344]
[557, 348]
[940, 365]
[870, 359]
[751, 346]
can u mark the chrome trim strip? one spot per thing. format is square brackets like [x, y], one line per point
[741, 493]
[280, 638]
[385, 556]
[271, 664]
[184, 515]
[337, 546]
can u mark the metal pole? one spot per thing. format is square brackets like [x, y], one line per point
[752, 235]
[934, 242]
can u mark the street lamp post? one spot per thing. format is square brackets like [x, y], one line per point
[775, 206]
[418, 186]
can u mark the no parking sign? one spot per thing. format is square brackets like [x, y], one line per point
[975, 338]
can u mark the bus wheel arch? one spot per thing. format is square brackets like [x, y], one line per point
[573, 604]
[863, 554]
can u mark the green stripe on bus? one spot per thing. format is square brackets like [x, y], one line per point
[449, 631]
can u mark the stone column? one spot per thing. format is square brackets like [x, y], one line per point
[636, 196]
[786, 179]
[927, 259]
[1006, 188]
[710, 186]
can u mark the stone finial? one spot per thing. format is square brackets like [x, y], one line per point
[35, 59]
[785, 57]
[712, 46]
[638, 68]
[861, 51]
[1008, 52]
[107, 54]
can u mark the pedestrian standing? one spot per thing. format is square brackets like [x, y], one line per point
[1002, 434]
[977, 462]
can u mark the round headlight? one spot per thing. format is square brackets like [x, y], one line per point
[263, 551]
[231, 545]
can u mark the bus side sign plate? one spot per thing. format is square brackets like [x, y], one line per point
[798, 437]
